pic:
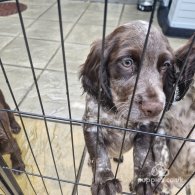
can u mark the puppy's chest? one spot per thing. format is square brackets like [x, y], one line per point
[112, 137]
[106, 117]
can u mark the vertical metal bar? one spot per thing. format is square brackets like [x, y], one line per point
[100, 78]
[22, 122]
[8, 180]
[3, 187]
[38, 92]
[67, 86]
[74, 191]
[137, 78]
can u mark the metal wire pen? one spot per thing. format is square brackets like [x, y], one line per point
[75, 122]
[67, 87]
[172, 94]
[175, 157]
[23, 126]
[37, 89]
[100, 80]
[10, 141]
[80, 122]
[136, 82]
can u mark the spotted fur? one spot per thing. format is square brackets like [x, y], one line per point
[119, 68]
[178, 121]
[8, 144]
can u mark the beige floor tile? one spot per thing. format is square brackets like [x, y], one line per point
[53, 93]
[86, 34]
[4, 40]
[99, 7]
[11, 25]
[74, 5]
[76, 55]
[84, 190]
[20, 80]
[132, 12]
[41, 51]
[70, 12]
[92, 17]
[48, 30]
[43, 2]
[61, 143]
[34, 11]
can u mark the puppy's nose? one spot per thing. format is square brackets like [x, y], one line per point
[151, 109]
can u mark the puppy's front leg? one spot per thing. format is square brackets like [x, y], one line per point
[15, 127]
[16, 158]
[104, 182]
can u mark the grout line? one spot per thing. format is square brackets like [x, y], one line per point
[48, 69]
[120, 17]
[35, 19]
[41, 39]
[79, 172]
[38, 77]
[10, 36]
[76, 22]
[45, 67]
[8, 43]
[20, 66]
[20, 33]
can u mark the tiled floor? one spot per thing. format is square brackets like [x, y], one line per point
[82, 24]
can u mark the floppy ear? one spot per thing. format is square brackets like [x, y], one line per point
[89, 74]
[188, 73]
[169, 81]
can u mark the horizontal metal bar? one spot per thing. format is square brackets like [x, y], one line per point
[80, 122]
[55, 179]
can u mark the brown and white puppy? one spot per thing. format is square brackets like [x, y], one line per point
[122, 55]
[8, 144]
[178, 121]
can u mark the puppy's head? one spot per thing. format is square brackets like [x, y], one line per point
[120, 65]
[181, 58]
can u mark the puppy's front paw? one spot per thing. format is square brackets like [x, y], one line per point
[18, 166]
[106, 184]
[15, 127]
[141, 189]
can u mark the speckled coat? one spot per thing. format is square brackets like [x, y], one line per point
[119, 68]
[179, 121]
[8, 144]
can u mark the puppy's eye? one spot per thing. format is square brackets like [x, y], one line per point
[127, 62]
[165, 66]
